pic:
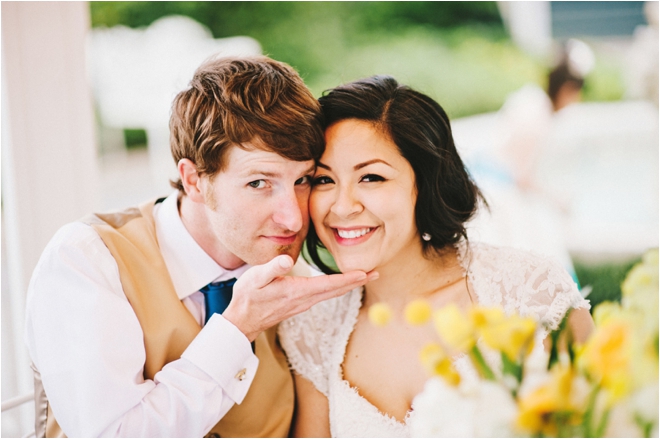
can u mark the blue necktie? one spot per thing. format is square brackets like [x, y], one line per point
[217, 297]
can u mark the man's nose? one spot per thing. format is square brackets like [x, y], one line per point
[289, 212]
[346, 204]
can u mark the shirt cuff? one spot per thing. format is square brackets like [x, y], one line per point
[225, 354]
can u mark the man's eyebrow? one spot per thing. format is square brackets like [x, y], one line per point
[269, 174]
[310, 170]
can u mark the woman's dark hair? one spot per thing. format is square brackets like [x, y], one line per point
[446, 195]
[560, 75]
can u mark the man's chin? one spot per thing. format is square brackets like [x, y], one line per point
[266, 256]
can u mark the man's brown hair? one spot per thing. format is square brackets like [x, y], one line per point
[232, 101]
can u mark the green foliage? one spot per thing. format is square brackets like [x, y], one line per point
[604, 278]
[457, 52]
[324, 254]
[604, 83]
[135, 138]
[424, 44]
[460, 68]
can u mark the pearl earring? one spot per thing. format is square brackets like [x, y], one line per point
[426, 237]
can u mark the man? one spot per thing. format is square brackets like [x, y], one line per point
[117, 303]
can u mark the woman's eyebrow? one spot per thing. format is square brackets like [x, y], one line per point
[370, 162]
[358, 166]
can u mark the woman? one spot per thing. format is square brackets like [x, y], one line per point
[392, 195]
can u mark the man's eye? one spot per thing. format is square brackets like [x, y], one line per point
[323, 179]
[257, 184]
[303, 180]
[371, 178]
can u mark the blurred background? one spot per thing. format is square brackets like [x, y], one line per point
[87, 88]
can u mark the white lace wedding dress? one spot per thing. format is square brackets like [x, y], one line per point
[315, 341]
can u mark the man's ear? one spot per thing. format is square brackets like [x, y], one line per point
[191, 180]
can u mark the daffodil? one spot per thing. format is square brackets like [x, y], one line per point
[417, 312]
[483, 317]
[512, 335]
[437, 362]
[380, 314]
[552, 399]
[606, 311]
[454, 328]
[607, 356]
[643, 274]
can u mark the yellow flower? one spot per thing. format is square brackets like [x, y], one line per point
[511, 336]
[454, 327]
[507, 334]
[640, 294]
[607, 356]
[606, 311]
[483, 317]
[417, 312]
[642, 279]
[380, 314]
[651, 258]
[537, 407]
[436, 362]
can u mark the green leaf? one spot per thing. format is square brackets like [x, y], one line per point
[511, 368]
[480, 364]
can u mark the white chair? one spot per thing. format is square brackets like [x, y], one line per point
[18, 401]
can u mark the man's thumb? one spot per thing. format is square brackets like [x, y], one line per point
[262, 275]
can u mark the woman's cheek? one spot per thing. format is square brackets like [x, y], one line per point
[317, 206]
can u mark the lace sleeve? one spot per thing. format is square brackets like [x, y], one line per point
[548, 292]
[526, 283]
[554, 294]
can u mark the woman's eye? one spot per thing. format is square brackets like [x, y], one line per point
[323, 179]
[371, 178]
[257, 184]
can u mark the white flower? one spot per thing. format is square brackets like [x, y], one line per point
[478, 409]
[643, 405]
[536, 369]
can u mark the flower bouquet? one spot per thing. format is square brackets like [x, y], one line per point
[606, 387]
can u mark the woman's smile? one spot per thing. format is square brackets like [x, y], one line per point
[353, 236]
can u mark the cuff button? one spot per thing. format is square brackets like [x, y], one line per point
[240, 376]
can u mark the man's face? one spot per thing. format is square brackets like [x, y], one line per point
[257, 205]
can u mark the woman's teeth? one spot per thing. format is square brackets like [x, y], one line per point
[352, 234]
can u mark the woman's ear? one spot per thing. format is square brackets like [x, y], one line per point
[191, 180]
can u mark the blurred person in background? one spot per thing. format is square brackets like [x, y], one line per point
[522, 213]
[134, 324]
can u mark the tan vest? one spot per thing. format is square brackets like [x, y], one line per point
[169, 328]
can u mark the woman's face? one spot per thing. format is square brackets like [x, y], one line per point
[363, 199]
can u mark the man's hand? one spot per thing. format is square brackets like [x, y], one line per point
[264, 296]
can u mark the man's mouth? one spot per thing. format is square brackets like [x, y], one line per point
[282, 239]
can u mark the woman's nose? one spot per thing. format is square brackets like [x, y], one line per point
[346, 204]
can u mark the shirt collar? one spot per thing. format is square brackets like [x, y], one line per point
[190, 267]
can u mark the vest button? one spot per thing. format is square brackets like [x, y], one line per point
[240, 376]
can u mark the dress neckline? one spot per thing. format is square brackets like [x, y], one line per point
[355, 302]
